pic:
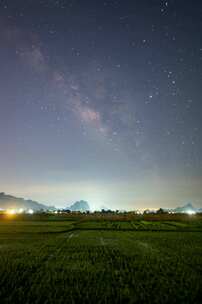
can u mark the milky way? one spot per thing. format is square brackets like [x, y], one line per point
[101, 100]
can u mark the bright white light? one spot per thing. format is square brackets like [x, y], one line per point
[11, 211]
[190, 212]
[30, 211]
[21, 210]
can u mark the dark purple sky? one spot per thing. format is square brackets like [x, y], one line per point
[101, 100]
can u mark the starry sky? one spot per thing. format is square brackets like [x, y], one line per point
[101, 101]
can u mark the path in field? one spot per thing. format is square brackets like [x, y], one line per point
[103, 243]
[81, 255]
[127, 240]
[43, 267]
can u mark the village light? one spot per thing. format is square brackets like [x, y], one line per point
[30, 211]
[190, 212]
[11, 211]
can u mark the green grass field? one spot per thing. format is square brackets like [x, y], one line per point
[78, 260]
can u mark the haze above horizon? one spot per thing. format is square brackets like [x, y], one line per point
[101, 101]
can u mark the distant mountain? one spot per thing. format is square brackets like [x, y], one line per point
[186, 208]
[12, 202]
[81, 206]
[104, 208]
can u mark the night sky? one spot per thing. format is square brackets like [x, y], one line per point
[101, 101]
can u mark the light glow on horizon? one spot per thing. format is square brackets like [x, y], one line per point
[11, 211]
[190, 212]
[30, 211]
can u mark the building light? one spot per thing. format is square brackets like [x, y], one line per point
[30, 211]
[190, 212]
[11, 211]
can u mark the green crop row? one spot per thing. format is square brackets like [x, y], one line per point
[98, 266]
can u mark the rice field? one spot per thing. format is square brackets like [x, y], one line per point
[103, 261]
